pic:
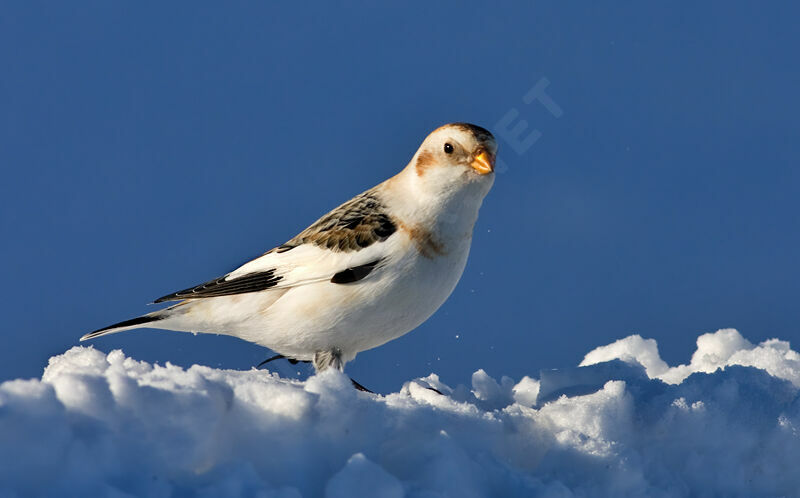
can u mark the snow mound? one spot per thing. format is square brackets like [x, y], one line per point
[715, 351]
[623, 424]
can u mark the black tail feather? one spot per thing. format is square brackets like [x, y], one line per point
[139, 320]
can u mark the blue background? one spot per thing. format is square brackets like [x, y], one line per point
[149, 147]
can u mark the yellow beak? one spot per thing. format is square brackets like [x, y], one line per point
[483, 163]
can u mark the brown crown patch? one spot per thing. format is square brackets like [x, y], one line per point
[424, 161]
[482, 134]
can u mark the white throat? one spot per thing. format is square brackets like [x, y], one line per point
[446, 206]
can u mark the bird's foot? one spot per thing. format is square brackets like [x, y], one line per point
[321, 362]
[280, 356]
[360, 387]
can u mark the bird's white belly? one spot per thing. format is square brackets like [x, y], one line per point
[355, 317]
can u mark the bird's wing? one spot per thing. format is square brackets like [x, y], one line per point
[343, 246]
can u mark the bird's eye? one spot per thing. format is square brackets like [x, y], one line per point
[448, 149]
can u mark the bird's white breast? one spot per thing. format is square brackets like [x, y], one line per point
[393, 300]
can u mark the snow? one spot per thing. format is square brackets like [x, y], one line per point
[624, 423]
[723, 348]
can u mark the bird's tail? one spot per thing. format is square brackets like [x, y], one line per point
[133, 323]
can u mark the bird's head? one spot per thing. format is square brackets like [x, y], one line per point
[455, 157]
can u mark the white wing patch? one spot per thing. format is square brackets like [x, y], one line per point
[309, 263]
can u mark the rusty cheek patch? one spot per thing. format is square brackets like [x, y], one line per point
[424, 161]
[424, 240]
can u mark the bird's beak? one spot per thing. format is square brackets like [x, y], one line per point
[483, 163]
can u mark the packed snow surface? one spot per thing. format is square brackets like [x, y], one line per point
[624, 423]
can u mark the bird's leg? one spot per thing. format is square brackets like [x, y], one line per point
[333, 358]
[323, 360]
[327, 359]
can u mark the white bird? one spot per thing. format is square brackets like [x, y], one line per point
[370, 271]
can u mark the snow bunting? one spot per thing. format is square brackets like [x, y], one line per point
[369, 271]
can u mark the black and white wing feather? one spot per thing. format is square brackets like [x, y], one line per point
[343, 246]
